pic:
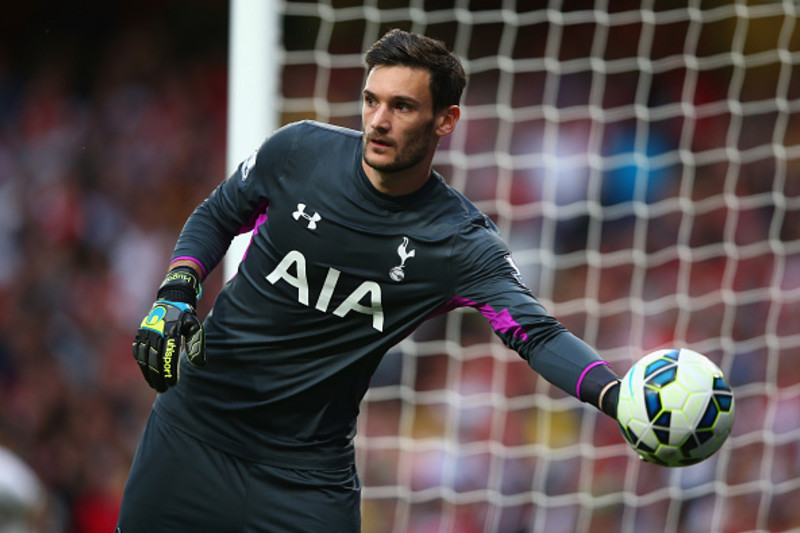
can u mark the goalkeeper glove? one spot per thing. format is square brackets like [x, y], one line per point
[609, 397]
[172, 318]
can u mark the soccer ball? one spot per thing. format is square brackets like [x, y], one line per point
[675, 407]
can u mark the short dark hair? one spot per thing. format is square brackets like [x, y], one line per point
[398, 47]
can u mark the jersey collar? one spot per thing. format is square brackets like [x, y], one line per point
[389, 201]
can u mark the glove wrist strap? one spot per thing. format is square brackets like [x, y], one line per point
[609, 396]
[599, 386]
[181, 284]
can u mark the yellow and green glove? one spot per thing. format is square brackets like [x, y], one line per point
[170, 325]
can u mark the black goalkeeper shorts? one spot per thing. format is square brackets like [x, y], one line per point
[180, 484]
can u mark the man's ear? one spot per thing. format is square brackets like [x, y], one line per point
[446, 120]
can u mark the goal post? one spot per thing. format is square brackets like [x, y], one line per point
[253, 71]
[642, 159]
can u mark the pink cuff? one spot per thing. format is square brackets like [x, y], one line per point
[193, 260]
[583, 375]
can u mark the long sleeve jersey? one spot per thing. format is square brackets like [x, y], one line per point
[335, 275]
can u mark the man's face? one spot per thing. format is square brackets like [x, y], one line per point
[398, 118]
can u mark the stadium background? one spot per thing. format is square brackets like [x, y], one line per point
[112, 127]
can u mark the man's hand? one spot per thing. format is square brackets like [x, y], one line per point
[158, 343]
[171, 323]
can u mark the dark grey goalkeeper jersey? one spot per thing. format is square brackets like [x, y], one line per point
[335, 275]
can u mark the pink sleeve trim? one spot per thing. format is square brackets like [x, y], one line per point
[193, 260]
[583, 375]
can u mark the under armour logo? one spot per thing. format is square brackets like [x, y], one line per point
[397, 273]
[312, 219]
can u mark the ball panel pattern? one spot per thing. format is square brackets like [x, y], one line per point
[675, 407]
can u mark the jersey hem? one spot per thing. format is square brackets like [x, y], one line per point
[268, 455]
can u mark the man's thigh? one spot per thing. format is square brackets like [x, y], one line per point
[303, 501]
[177, 483]
[180, 484]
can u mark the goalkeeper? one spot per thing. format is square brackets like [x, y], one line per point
[356, 241]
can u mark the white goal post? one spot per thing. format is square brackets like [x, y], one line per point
[642, 159]
[253, 71]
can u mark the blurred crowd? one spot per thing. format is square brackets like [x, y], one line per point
[109, 135]
[112, 128]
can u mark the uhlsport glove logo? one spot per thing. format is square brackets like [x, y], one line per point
[168, 355]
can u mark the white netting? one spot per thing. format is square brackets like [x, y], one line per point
[642, 160]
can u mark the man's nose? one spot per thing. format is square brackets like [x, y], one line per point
[380, 119]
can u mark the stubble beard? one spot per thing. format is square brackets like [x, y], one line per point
[414, 152]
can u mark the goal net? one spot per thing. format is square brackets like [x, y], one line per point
[642, 159]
